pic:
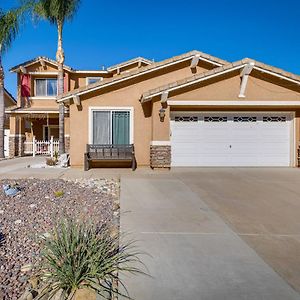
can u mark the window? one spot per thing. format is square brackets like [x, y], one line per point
[274, 119]
[46, 87]
[245, 119]
[111, 127]
[91, 80]
[186, 119]
[215, 119]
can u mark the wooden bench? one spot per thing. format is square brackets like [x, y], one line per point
[109, 153]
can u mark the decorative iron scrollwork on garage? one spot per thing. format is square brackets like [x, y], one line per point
[274, 119]
[186, 119]
[215, 119]
[245, 119]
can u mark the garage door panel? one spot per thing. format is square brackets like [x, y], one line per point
[232, 140]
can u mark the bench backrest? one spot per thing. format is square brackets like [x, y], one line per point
[96, 151]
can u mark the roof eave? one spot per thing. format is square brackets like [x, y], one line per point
[160, 65]
[148, 96]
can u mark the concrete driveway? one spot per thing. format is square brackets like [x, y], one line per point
[215, 233]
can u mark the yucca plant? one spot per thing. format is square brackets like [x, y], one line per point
[80, 256]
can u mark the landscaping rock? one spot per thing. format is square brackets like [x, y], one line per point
[34, 212]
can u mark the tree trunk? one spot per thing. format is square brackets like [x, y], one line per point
[60, 57]
[2, 110]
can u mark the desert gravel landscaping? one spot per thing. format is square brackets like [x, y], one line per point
[34, 211]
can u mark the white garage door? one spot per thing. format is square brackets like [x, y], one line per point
[231, 139]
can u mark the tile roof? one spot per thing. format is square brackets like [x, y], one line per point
[141, 71]
[214, 72]
[37, 59]
[129, 62]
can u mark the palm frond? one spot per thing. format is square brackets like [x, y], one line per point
[10, 22]
[56, 11]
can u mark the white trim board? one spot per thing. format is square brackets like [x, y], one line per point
[233, 103]
[32, 112]
[44, 73]
[160, 143]
[111, 108]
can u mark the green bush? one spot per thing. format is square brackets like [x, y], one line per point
[78, 255]
[59, 194]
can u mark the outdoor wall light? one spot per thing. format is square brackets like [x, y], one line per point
[162, 114]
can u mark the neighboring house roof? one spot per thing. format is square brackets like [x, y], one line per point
[10, 96]
[143, 70]
[52, 62]
[217, 72]
[130, 62]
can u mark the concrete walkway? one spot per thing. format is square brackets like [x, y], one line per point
[194, 254]
[178, 218]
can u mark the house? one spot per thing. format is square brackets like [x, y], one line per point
[190, 110]
[36, 113]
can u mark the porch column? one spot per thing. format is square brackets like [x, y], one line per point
[17, 136]
[160, 146]
[67, 134]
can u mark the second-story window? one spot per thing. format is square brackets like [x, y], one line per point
[46, 87]
[91, 80]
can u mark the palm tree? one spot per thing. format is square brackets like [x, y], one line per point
[9, 28]
[57, 12]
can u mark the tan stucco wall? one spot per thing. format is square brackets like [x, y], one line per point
[228, 88]
[127, 96]
[147, 124]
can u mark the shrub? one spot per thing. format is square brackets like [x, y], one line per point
[55, 156]
[59, 194]
[50, 162]
[78, 256]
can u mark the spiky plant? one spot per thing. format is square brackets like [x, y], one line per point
[80, 256]
[57, 12]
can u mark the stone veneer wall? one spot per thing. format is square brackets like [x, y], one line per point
[16, 145]
[160, 156]
[12, 146]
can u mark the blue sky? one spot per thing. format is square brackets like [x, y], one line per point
[108, 32]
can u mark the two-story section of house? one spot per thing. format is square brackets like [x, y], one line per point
[36, 114]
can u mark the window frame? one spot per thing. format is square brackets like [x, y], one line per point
[45, 78]
[130, 109]
[93, 77]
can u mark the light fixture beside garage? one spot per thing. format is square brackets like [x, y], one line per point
[162, 114]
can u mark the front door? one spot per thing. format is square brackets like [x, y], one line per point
[51, 130]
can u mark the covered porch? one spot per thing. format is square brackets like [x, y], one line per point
[35, 132]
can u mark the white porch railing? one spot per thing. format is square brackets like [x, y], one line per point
[36, 147]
